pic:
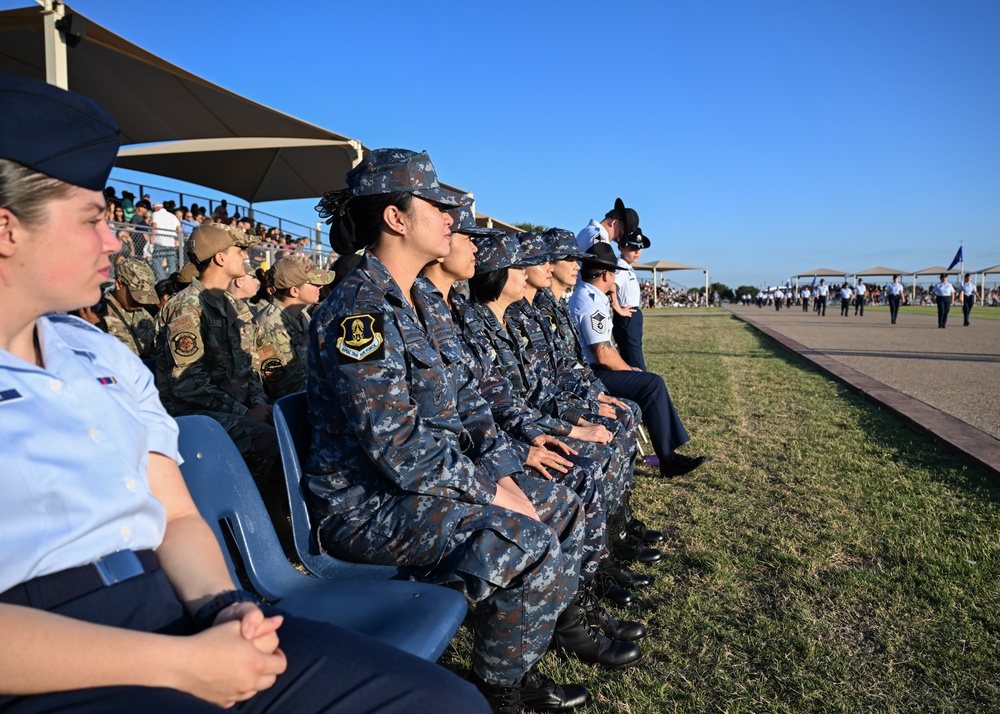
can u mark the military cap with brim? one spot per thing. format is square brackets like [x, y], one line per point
[462, 219]
[80, 140]
[496, 250]
[534, 247]
[562, 244]
[209, 239]
[389, 170]
[139, 279]
[295, 270]
[600, 255]
[635, 240]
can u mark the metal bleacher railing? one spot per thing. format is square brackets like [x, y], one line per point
[139, 242]
[292, 228]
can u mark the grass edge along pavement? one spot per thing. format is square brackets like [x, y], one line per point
[827, 558]
[966, 440]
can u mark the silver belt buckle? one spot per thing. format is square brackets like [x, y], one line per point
[118, 566]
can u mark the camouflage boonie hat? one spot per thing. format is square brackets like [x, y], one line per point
[462, 219]
[388, 170]
[496, 250]
[535, 249]
[562, 244]
[139, 279]
[294, 270]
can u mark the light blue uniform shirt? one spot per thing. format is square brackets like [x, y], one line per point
[591, 310]
[77, 436]
[627, 285]
[968, 288]
[894, 288]
[943, 289]
[592, 233]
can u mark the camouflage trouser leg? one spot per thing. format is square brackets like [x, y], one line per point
[618, 473]
[583, 479]
[513, 626]
[606, 458]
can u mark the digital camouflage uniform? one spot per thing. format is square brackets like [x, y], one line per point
[204, 366]
[517, 419]
[134, 328]
[283, 341]
[404, 462]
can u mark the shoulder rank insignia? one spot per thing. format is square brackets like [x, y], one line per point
[361, 337]
[598, 321]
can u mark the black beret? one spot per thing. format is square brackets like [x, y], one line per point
[58, 133]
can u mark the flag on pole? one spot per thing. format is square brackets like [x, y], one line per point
[814, 280]
[957, 260]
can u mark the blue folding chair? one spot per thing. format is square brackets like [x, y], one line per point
[291, 421]
[416, 617]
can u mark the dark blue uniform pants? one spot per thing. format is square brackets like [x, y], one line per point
[894, 301]
[967, 302]
[330, 669]
[666, 431]
[627, 332]
[943, 306]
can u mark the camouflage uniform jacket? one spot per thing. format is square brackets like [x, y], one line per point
[133, 328]
[505, 354]
[205, 360]
[511, 412]
[556, 381]
[565, 336]
[282, 354]
[394, 407]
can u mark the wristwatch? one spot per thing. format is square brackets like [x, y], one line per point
[207, 613]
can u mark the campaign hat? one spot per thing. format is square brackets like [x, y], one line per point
[600, 255]
[635, 240]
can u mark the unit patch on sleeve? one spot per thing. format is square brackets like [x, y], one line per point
[185, 344]
[361, 338]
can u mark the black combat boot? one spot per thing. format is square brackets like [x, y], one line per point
[502, 698]
[624, 546]
[623, 576]
[633, 526]
[541, 694]
[575, 636]
[601, 620]
[608, 589]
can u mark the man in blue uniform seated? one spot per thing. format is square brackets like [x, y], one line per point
[114, 595]
[591, 310]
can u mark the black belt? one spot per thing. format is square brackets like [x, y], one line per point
[50, 591]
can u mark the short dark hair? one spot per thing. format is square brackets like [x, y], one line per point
[589, 274]
[486, 287]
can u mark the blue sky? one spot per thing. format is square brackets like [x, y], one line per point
[757, 139]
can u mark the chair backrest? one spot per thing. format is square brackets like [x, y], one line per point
[226, 496]
[291, 422]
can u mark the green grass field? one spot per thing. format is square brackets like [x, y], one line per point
[827, 559]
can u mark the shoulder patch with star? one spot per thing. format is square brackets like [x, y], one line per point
[361, 337]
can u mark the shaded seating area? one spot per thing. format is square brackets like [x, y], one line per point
[416, 617]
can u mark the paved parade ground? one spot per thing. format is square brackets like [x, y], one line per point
[940, 380]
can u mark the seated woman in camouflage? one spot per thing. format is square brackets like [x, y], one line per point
[283, 324]
[127, 318]
[406, 464]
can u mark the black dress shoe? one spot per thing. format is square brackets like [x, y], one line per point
[632, 550]
[601, 620]
[624, 577]
[607, 589]
[541, 694]
[679, 464]
[575, 636]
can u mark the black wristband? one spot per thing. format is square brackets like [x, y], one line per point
[205, 617]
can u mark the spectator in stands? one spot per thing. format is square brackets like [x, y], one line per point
[127, 317]
[120, 600]
[166, 240]
[405, 469]
[205, 347]
[591, 311]
[188, 221]
[221, 212]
